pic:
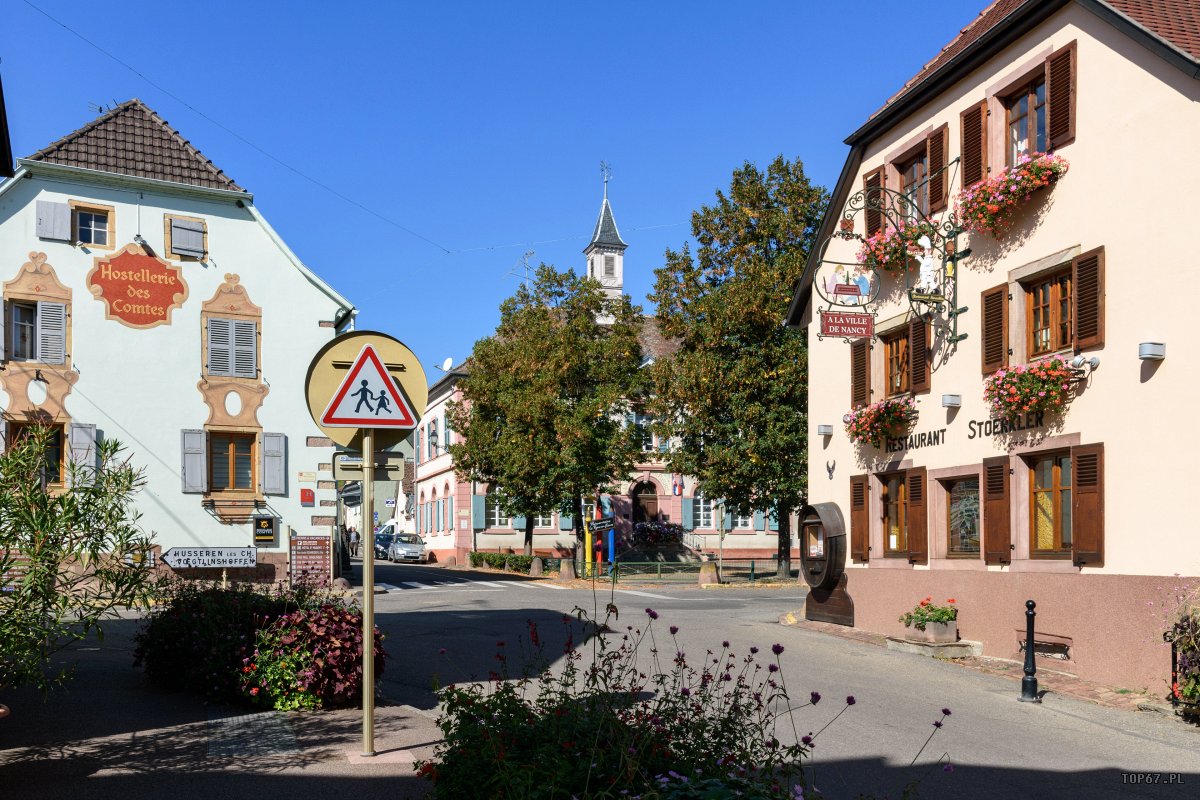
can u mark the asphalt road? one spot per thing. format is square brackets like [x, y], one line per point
[1000, 748]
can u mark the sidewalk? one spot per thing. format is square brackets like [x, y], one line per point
[110, 734]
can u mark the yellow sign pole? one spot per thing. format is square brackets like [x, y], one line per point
[368, 583]
[587, 548]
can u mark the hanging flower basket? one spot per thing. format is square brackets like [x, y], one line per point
[874, 423]
[893, 248]
[989, 207]
[1039, 386]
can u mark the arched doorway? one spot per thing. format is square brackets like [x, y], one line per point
[645, 502]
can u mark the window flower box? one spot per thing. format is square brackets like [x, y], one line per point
[990, 206]
[1038, 386]
[874, 423]
[893, 249]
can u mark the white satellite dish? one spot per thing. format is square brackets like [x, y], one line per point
[447, 364]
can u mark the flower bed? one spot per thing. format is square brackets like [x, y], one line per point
[893, 248]
[656, 533]
[874, 423]
[989, 206]
[1039, 386]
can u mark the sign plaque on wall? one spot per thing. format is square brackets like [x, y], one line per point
[137, 289]
[850, 325]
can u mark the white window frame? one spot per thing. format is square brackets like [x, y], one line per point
[702, 512]
[493, 511]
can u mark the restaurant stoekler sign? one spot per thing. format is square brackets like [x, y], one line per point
[848, 324]
[137, 289]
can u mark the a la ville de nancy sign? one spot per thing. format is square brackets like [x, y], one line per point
[137, 289]
[848, 324]
[976, 428]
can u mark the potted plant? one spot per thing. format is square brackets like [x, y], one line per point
[989, 206]
[1039, 386]
[928, 622]
[1184, 637]
[874, 423]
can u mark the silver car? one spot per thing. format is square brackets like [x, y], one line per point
[407, 547]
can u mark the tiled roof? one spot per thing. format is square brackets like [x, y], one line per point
[606, 232]
[1176, 22]
[654, 344]
[133, 140]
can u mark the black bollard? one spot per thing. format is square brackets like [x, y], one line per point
[1029, 687]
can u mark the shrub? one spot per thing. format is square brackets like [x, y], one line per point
[656, 533]
[874, 423]
[310, 658]
[989, 207]
[1040, 386]
[926, 612]
[520, 563]
[507, 561]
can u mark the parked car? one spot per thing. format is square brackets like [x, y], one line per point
[407, 547]
[382, 542]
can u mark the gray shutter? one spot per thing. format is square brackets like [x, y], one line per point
[273, 463]
[245, 348]
[478, 512]
[194, 470]
[438, 516]
[728, 521]
[51, 333]
[81, 440]
[565, 522]
[773, 517]
[220, 346]
[187, 238]
[688, 522]
[760, 521]
[518, 523]
[445, 433]
[53, 220]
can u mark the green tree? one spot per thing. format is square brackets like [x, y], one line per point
[542, 403]
[735, 394]
[69, 558]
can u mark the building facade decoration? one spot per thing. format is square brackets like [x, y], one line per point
[137, 288]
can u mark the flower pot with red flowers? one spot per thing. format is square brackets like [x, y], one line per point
[929, 622]
[1039, 386]
[893, 249]
[874, 423]
[990, 206]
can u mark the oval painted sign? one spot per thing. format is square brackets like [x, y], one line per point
[137, 289]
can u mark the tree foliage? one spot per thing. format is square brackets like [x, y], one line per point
[735, 394]
[541, 403]
[68, 557]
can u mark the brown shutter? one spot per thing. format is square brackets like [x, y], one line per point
[860, 527]
[994, 323]
[916, 516]
[1087, 505]
[974, 144]
[935, 151]
[860, 372]
[873, 201]
[997, 535]
[1087, 285]
[1060, 96]
[918, 354]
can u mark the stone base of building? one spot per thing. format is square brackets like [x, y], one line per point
[1102, 628]
[959, 649]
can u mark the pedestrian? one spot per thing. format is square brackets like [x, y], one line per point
[353, 542]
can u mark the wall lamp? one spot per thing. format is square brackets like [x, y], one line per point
[1152, 351]
[952, 401]
[825, 430]
[1078, 362]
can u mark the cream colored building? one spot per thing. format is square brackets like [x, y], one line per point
[1080, 509]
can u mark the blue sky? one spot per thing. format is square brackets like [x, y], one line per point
[479, 126]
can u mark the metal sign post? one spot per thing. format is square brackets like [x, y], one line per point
[368, 584]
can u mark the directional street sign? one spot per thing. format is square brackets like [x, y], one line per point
[369, 398]
[388, 467]
[210, 557]
[601, 525]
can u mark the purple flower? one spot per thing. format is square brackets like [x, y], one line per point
[442, 651]
[725, 645]
[777, 649]
[685, 691]
[945, 712]
[850, 700]
[806, 740]
[814, 697]
[948, 768]
[651, 613]
[773, 667]
[753, 650]
[674, 629]
[937, 724]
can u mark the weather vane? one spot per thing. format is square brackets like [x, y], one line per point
[606, 174]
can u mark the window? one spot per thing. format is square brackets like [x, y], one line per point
[896, 363]
[231, 462]
[1025, 113]
[914, 182]
[93, 225]
[610, 266]
[962, 522]
[232, 347]
[37, 331]
[1050, 505]
[895, 530]
[543, 521]
[743, 522]
[54, 467]
[186, 238]
[643, 422]
[493, 513]
[431, 440]
[1048, 306]
[702, 512]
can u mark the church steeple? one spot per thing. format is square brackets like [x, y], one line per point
[606, 252]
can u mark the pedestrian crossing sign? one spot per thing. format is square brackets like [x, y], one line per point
[369, 397]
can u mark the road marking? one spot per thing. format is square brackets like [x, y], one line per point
[545, 585]
[492, 583]
[415, 585]
[646, 594]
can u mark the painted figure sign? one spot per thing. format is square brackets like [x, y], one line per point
[137, 289]
[847, 285]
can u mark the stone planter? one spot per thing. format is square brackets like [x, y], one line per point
[935, 632]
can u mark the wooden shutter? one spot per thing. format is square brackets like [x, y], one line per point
[994, 328]
[273, 463]
[1087, 286]
[51, 333]
[81, 442]
[1060, 96]
[997, 525]
[1087, 505]
[187, 238]
[935, 151]
[773, 519]
[688, 521]
[760, 521]
[245, 348]
[860, 525]
[873, 201]
[974, 144]
[916, 516]
[860, 372]
[918, 354]
[220, 346]
[53, 220]
[194, 469]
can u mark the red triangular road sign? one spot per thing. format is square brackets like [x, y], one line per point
[369, 398]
